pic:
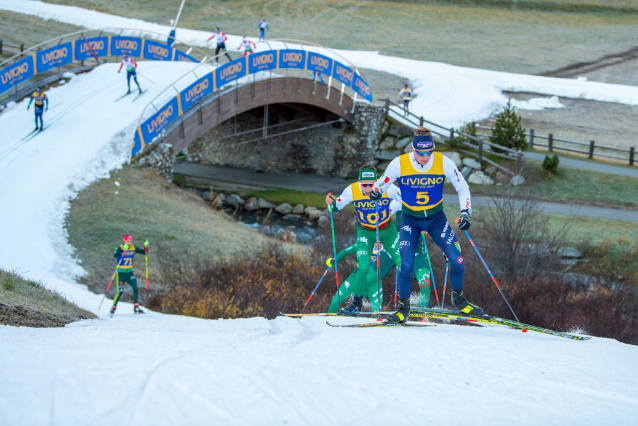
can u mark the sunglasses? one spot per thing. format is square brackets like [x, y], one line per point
[423, 153]
[367, 185]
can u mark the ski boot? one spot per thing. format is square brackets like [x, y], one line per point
[137, 309]
[112, 311]
[459, 304]
[402, 314]
[353, 309]
[129, 91]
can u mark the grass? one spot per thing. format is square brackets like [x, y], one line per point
[148, 207]
[28, 303]
[495, 37]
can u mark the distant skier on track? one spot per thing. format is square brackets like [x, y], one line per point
[263, 26]
[124, 254]
[247, 45]
[421, 272]
[130, 66]
[421, 175]
[39, 98]
[220, 39]
[358, 194]
[406, 96]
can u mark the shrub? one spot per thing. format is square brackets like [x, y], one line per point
[458, 141]
[508, 131]
[550, 164]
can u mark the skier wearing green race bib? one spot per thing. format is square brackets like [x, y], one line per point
[357, 194]
[421, 272]
[124, 255]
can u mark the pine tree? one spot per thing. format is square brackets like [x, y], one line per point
[508, 130]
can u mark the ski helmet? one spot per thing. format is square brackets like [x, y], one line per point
[128, 238]
[125, 56]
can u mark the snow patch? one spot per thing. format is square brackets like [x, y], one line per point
[537, 104]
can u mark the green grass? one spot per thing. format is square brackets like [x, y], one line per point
[25, 302]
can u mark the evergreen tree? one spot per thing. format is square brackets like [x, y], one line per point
[508, 130]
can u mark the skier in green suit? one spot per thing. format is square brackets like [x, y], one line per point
[124, 255]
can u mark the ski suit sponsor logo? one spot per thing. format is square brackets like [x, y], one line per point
[407, 228]
[457, 245]
[444, 230]
[404, 243]
[449, 240]
[460, 259]
[363, 239]
[367, 174]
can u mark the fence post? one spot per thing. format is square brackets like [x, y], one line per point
[387, 107]
[421, 121]
[591, 149]
[473, 127]
[631, 155]
[0, 45]
[531, 138]
[519, 162]
[480, 151]
[550, 142]
[451, 133]
[21, 48]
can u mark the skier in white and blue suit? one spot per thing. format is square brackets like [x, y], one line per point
[421, 175]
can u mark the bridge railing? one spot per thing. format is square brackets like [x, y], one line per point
[285, 59]
[92, 47]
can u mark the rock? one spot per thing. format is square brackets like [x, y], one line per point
[480, 178]
[234, 200]
[315, 214]
[206, 195]
[386, 154]
[298, 209]
[455, 157]
[385, 128]
[491, 170]
[382, 166]
[387, 143]
[284, 208]
[517, 180]
[569, 253]
[286, 236]
[251, 204]
[472, 163]
[293, 217]
[465, 171]
[323, 222]
[501, 177]
[402, 143]
[308, 209]
[407, 148]
[263, 204]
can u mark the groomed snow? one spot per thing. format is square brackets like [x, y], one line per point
[445, 94]
[160, 369]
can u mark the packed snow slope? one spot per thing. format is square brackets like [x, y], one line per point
[445, 94]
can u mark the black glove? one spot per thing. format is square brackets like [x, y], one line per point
[464, 223]
[375, 195]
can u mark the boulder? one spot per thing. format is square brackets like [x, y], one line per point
[455, 157]
[323, 222]
[286, 236]
[298, 209]
[384, 154]
[387, 143]
[569, 253]
[315, 214]
[251, 204]
[382, 166]
[465, 171]
[472, 163]
[263, 204]
[284, 208]
[501, 177]
[234, 200]
[402, 143]
[491, 170]
[517, 180]
[293, 217]
[480, 178]
[206, 195]
[385, 128]
[407, 148]
[308, 209]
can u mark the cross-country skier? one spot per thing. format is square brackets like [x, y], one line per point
[220, 39]
[405, 95]
[247, 45]
[39, 98]
[130, 66]
[421, 272]
[421, 175]
[124, 255]
[358, 194]
[263, 26]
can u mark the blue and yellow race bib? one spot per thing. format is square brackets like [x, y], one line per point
[125, 260]
[366, 210]
[421, 190]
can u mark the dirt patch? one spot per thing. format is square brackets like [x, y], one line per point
[19, 316]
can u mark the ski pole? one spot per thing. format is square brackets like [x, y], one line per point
[107, 289]
[396, 285]
[427, 254]
[488, 270]
[146, 262]
[447, 265]
[316, 287]
[334, 249]
[379, 301]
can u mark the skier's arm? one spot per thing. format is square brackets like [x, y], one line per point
[211, 37]
[135, 63]
[121, 65]
[140, 250]
[394, 193]
[46, 100]
[452, 173]
[392, 173]
[344, 199]
[30, 101]
[118, 252]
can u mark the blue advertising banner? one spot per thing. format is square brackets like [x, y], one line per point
[292, 59]
[262, 61]
[183, 57]
[361, 87]
[137, 144]
[230, 72]
[319, 63]
[343, 73]
[100, 46]
[157, 51]
[22, 70]
[130, 45]
[56, 56]
[195, 92]
[158, 121]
